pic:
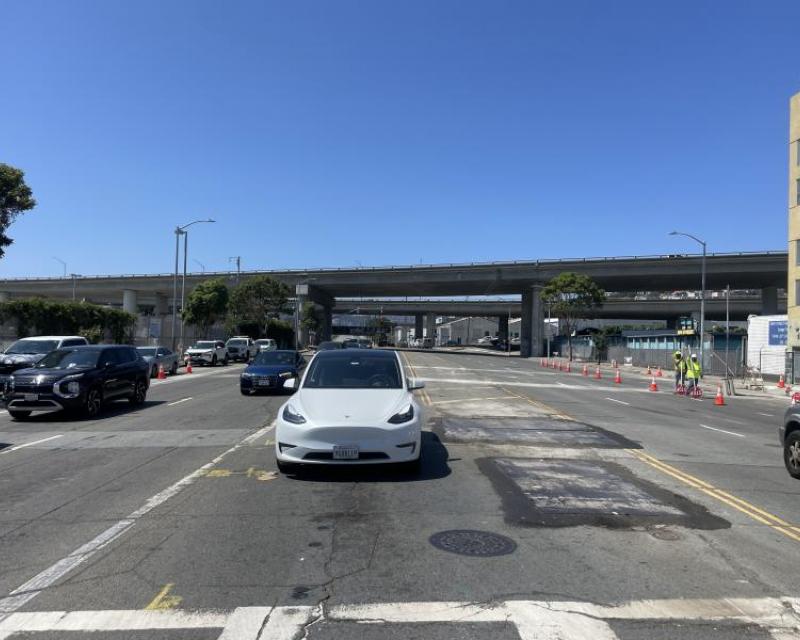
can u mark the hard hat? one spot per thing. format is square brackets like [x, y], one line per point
[677, 354]
[694, 356]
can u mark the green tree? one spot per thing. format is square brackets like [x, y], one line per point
[310, 317]
[15, 197]
[572, 297]
[207, 303]
[257, 300]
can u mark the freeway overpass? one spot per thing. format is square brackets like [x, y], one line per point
[766, 271]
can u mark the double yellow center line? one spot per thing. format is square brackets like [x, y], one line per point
[754, 512]
[426, 399]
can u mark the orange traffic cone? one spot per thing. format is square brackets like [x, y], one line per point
[585, 371]
[188, 366]
[618, 377]
[161, 373]
[781, 383]
[658, 373]
[568, 368]
[719, 400]
[653, 385]
[597, 373]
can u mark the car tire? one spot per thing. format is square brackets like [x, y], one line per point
[19, 415]
[93, 403]
[287, 467]
[245, 392]
[791, 454]
[225, 361]
[214, 360]
[174, 370]
[154, 372]
[139, 393]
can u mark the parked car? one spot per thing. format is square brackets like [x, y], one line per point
[159, 357]
[426, 343]
[789, 434]
[266, 344]
[241, 348]
[78, 378]
[328, 345]
[27, 352]
[351, 407]
[207, 352]
[270, 370]
[351, 343]
[487, 341]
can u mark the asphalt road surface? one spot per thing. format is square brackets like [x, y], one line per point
[549, 506]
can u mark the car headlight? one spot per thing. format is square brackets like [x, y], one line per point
[286, 374]
[69, 387]
[291, 415]
[246, 374]
[405, 415]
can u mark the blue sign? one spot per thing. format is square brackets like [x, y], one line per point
[778, 331]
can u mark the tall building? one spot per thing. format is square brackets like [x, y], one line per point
[793, 286]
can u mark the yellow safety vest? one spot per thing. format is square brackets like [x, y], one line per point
[693, 370]
[680, 366]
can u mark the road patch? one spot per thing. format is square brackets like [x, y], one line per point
[535, 431]
[564, 493]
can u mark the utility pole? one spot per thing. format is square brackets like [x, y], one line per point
[702, 293]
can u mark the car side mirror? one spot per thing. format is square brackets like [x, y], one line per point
[414, 384]
[291, 383]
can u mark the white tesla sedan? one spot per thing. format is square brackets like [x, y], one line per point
[353, 406]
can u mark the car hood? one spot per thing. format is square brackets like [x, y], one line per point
[269, 369]
[21, 358]
[329, 407]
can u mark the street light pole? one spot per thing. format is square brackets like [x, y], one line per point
[63, 264]
[181, 230]
[74, 276]
[702, 292]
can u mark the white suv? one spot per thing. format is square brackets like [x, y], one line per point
[27, 352]
[241, 348]
[207, 352]
[266, 344]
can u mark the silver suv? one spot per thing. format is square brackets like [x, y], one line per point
[27, 352]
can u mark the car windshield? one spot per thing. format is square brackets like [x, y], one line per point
[32, 346]
[275, 357]
[146, 351]
[68, 359]
[204, 344]
[354, 371]
[237, 342]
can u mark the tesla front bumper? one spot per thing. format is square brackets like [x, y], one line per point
[303, 443]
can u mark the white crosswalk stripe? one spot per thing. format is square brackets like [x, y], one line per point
[534, 620]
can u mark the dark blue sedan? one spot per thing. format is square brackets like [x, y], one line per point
[269, 370]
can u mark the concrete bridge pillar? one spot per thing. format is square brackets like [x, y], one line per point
[769, 301]
[502, 328]
[532, 322]
[3, 296]
[130, 301]
[160, 308]
[301, 297]
[417, 325]
[327, 323]
[430, 328]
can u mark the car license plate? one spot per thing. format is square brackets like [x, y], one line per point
[264, 382]
[345, 453]
[31, 397]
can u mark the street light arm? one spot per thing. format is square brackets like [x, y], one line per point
[186, 226]
[688, 235]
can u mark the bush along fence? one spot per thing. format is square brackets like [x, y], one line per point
[35, 316]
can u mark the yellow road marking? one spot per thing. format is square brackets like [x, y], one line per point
[164, 600]
[555, 413]
[754, 512]
[261, 474]
[426, 399]
[219, 473]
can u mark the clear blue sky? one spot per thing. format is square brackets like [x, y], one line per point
[378, 132]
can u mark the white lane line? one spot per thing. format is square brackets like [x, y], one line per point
[730, 433]
[172, 404]
[627, 404]
[30, 444]
[33, 587]
[769, 415]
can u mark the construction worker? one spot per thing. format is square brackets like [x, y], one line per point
[680, 369]
[694, 371]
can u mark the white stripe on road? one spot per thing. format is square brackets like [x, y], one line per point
[533, 620]
[473, 399]
[33, 587]
[730, 433]
[30, 444]
[769, 415]
[627, 404]
[172, 404]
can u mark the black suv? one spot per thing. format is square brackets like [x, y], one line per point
[78, 378]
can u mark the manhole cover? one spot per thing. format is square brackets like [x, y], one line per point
[665, 534]
[468, 542]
